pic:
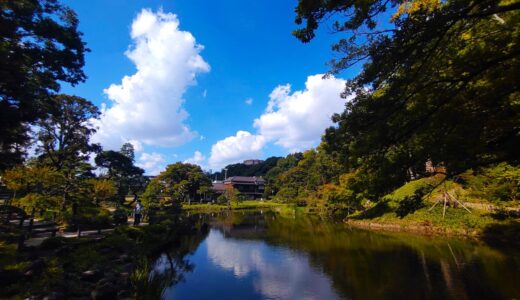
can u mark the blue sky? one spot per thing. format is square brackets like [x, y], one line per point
[209, 82]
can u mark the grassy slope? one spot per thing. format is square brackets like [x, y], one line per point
[485, 219]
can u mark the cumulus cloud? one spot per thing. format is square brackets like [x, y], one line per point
[153, 163]
[196, 159]
[148, 106]
[296, 121]
[243, 145]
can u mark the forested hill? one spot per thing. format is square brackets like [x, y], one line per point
[242, 169]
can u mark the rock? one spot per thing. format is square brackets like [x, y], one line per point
[91, 275]
[104, 291]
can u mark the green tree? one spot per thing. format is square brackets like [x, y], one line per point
[439, 83]
[153, 194]
[182, 181]
[127, 177]
[64, 143]
[64, 134]
[35, 186]
[102, 190]
[41, 47]
[128, 150]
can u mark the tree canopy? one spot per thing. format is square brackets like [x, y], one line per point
[439, 83]
[127, 177]
[179, 182]
[40, 47]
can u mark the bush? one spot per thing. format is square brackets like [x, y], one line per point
[89, 217]
[120, 216]
[222, 199]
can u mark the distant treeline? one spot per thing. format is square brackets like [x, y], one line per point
[241, 169]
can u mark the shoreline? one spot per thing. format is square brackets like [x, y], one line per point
[426, 230]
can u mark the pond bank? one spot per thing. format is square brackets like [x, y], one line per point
[111, 266]
[478, 225]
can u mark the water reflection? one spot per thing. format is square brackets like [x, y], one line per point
[277, 273]
[268, 256]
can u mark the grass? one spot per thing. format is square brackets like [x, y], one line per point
[457, 221]
[248, 204]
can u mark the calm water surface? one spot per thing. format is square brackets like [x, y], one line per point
[268, 256]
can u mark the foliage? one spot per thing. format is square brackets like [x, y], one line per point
[182, 181]
[495, 183]
[41, 47]
[88, 218]
[241, 169]
[63, 135]
[120, 216]
[438, 84]
[146, 283]
[64, 144]
[102, 190]
[301, 178]
[153, 194]
[222, 199]
[120, 167]
[37, 187]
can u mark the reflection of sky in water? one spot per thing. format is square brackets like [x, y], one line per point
[227, 268]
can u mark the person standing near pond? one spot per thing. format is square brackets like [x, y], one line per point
[137, 213]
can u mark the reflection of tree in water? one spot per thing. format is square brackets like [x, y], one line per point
[368, 265]
[168, 264]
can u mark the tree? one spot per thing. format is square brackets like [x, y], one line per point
[64, 142]
[102, 190]
[153, 194]
[121, 169]
[40, 48]
[35, 186]
[128, 150]
[439, 83]
[64, 134]
[182, 181]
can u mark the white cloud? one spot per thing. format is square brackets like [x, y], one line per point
[232, 149]
[297, 121]
[153, 163]
[249, 101]
[196, 159]
[204, 94]
[148, 106]
[294, 121]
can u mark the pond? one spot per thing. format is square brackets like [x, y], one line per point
[264, 255]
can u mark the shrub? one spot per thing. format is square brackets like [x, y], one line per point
[222, 199]
[120, 216]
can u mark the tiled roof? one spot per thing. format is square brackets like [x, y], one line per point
[245, 179]
[218, 186]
